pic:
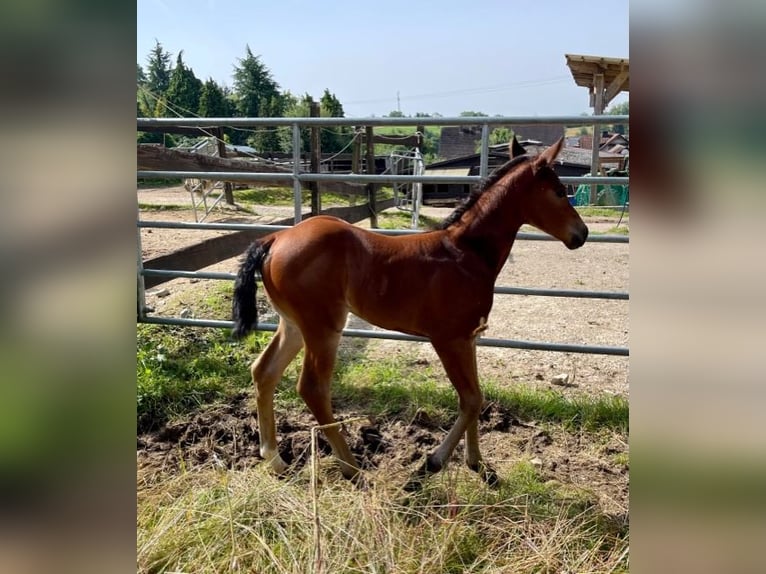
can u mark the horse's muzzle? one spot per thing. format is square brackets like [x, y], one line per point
[578, 238]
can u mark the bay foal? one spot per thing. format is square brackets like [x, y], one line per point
[318, 271]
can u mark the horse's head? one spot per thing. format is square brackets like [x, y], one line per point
[546, 204]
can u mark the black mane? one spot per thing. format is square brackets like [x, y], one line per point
[479, 189]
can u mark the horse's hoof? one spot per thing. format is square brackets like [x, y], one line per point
[487, 474]
[417, 480]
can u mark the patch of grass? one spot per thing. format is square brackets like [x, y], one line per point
[179, 369]
[284, 196]
[268, 196]
[253, 522]
[401, 388]
[589, 413]
[154, 207]
[591, 211]
[142, 183]
[397, 219]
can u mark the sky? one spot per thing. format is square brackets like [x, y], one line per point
[490, 56]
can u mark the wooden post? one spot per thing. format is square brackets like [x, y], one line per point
[598, 109]
[228, 194]
[316, 156]
[371, 187]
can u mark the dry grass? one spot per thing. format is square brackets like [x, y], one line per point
[215, 520]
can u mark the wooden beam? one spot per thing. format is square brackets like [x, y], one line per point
[228, 192]
[598, 109]
[371, 187]
[408, 141]
[316, 155]
[152, 157]
[216, 249]
[616, 86]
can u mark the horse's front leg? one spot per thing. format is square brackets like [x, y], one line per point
[459, 359]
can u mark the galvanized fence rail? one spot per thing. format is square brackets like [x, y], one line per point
[299, 178]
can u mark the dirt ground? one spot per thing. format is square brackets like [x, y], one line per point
[227, 435]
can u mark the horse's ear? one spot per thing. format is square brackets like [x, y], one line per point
[549, 155]
[515, 148]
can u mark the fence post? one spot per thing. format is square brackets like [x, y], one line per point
[297, 190]
[316, 156]
[227, 187]
[371, 187]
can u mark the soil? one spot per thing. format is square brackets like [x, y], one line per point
[227, 435]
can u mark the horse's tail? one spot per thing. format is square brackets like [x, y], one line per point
[244, 311]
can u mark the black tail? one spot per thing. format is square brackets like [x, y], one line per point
[244, 311]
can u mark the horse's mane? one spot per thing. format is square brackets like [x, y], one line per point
[479, 189]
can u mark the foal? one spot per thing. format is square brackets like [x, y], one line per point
[317, 271]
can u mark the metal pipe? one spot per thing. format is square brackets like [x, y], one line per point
[348, 121]
[297, 190]
[616, 295]
[521, 235]
[396, 336]
[351, 177]
[484, 154]
[573, 293]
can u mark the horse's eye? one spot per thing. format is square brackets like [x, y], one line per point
[561, 192]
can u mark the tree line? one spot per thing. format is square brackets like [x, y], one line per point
[172, 91]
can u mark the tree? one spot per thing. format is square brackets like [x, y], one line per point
[253, 86]
[213, 102]
[469, 114]
[257, 95]
[184, 90]
[158, 70]
[620, 110]
[140, 75]
[295, 108]
[500, 135]
[336, 138]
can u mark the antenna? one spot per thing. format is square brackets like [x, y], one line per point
[398, 102]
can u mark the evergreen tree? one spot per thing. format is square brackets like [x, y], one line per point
[213, 102]
[140, 75]
[253, 86]
[336, 138]
[257, 95]
[158, 70]
[184, 90]
[295, 108]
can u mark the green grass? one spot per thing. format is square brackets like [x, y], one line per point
[154, 207]
[396, 219]
[178, 369]
[589, 211]
[398, 387]
[157, 182]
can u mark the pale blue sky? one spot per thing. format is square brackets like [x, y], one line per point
[490, 56]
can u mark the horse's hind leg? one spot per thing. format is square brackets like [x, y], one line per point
[314, 388]
[267, 371]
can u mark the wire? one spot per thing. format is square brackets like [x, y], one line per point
[470, 91]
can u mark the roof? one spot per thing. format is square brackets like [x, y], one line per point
[458, 141]
[573, 156]
[615, 70]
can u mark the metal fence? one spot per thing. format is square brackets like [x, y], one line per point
[299, 178]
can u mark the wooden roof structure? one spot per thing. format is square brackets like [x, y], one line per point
[604, 78]
[614, 72]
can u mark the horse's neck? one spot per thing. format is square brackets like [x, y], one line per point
[490, 229]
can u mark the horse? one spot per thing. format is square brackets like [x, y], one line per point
[321, 269]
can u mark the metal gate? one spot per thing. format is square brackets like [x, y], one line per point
[299, 178]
